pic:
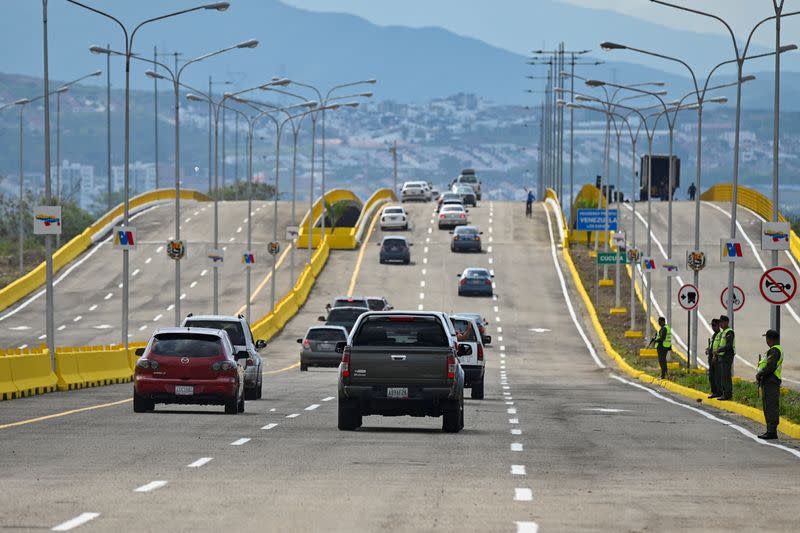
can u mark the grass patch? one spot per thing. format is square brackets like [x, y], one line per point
[615, 326]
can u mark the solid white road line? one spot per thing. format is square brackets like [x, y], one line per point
[75, 522]
[564, 291]
[523, 494]
[312, 407]
[153, 485]
[293, 415]
[200, 462]
[516, 446]
[239, 442]
[527, 527]
[269, 426]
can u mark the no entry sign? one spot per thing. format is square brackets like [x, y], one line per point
[688, 297]
[778, 286]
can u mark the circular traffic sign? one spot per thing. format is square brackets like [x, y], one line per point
[738, 298]
[689, 297]
[778, 286]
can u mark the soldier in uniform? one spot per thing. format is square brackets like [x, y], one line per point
[726, 351]
[769, 380]
[713, 346]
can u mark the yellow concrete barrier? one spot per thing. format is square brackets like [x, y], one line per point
[8, 390]
[101, 366]
[69, 378]
[132, 357]
[21, 287]
[32, 373]
[331, 197]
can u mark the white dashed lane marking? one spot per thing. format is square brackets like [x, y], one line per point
[516, 446]
[62, 328]
[193, 284]
[147, 261]
[200, 462]
[153, 485]
[516, 432]
[93, 307]
[77, 318]
[312, 407]
[513, 420]
[75, 522]
[135, 272]
[203, 273]
[293, 415]
[109, 296]
[329, 398]
[523, 495]
[157, 317]
[269, 426]
[239, 442]
[527, 527]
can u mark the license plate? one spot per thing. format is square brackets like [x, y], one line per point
[184, 390]
[325, 347]
[397, 392]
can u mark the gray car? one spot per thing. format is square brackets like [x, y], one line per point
[466, 239]
[343, 316]
[319, 346]
[395, 249]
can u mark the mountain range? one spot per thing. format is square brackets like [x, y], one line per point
[411, 64]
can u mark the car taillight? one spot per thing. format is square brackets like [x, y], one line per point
[307, 344]
[455, 237]
[346, 362]
[451, 366]
[480, 352]
[441, 216]
[462, 215]
[488, 282]
[463, 281]
[223, 366]
[477, 237]
[250, 362]
[482, 329]
[147, 364]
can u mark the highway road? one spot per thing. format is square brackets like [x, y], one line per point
[561, 442]
[753, 319]
[89, 297]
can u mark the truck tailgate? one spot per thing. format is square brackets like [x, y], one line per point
[400, 365]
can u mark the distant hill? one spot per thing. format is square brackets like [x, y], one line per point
[411, 64]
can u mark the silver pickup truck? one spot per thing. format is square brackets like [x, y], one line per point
[398, 363]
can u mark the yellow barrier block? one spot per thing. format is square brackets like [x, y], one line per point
[672, 365]
[630, 334]
[104, 367]
[648, 353]
[606, 282]
[619, 310]
[32, 373]
[592, 253]
[69, 377]
[8, 390]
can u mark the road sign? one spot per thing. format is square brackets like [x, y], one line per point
[696, 260]
[669, 268]
[274, 248]
[634, 255]
[47, 220]
[125, 237]
[176, 250]
[730, 251]
[216, 258]
[775, 236]
[292, 232]
[595, 220]
[648, 264]
[248, 259]
[738, 298]
[688, 297]
[610, 258]
[778, 286]
[618, 239]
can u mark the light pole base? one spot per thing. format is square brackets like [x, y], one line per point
[619, 311]
[592, 253]
[606, 282]
[634, 334]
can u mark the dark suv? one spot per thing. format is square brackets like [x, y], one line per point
[395, 249]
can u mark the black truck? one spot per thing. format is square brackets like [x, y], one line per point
[659, 185]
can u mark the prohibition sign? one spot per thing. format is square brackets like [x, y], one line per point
[778, 286]
[688, 297]
[738, 298]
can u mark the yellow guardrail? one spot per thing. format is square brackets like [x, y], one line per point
[21, 287]
[28, 371]
[753, 200]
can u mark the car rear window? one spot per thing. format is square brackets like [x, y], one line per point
[345, 315]
[452, 209]
[187, 345]
[464, 330]
[233, 329]
[469, 178]
[466, 230]
[326, 335]
[422, 331]
[476, 274]
[450, 196]
[376, 304]
[394, 243]
[394, 211]
[349, 302]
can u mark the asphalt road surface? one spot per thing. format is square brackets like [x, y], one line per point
[753, 319]
[560, 443]
[88, 297]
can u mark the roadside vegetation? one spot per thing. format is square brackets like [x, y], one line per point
[615, 326]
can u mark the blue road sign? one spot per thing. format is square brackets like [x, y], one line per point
[595, 220]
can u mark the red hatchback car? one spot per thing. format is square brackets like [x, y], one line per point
[188, 366]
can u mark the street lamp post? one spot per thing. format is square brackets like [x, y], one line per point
[218, 6]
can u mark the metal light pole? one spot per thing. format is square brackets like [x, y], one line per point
[218, 6]
[155, 116]
[48, 198]
[20, 209]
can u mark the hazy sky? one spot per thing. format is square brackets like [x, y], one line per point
[486, 19]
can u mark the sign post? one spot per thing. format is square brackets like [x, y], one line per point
[689, 299]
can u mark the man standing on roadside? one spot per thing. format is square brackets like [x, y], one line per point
[725, 353]
[713, 345]
[663, 345]
[769, 380]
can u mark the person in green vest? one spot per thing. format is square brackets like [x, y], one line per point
[726, 351]
[663, 345]
[769, 381]
[713, 346]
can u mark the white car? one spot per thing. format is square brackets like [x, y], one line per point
[416, 190]
[452, 215]
[468, 332]
[394, 217]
